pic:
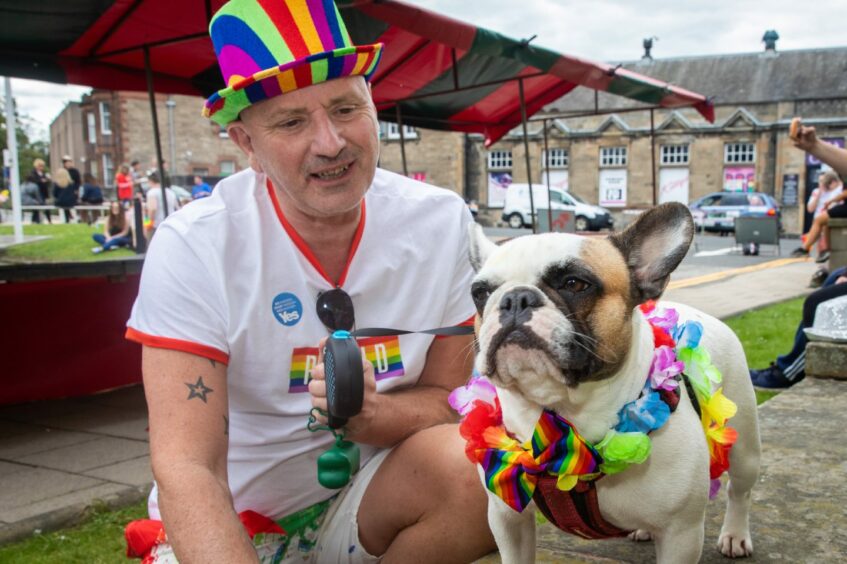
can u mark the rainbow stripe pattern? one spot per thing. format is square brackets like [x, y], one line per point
[269, 47]
[511, 468]
[302, 361]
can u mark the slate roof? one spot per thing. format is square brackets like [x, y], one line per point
[742, 78]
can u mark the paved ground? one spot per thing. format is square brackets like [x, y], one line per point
[58, 457]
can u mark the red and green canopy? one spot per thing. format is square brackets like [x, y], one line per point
[443, 73]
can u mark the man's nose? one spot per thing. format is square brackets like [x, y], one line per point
[328, 140]
[516, 305]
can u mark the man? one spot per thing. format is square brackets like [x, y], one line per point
[227, 315]
[155, 209]
[200, 189]
[68, 163]
[139, 179]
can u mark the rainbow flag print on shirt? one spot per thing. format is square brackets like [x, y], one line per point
[382, 352]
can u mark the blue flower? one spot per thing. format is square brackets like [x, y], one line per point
[645, 414]
[688, 334]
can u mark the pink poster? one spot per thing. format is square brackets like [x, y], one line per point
[739, 179]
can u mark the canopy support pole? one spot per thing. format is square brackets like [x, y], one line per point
[547, 172]
[14, 171]
[402, 139]
[156, 138]
[526, 154]
[653, 159]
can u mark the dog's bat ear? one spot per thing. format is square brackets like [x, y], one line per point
[654, 246]
[479, 247]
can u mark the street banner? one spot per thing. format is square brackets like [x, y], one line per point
[673, 185]
[498, 182]
[613, 187]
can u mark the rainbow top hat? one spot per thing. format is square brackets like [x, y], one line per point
[269, 47]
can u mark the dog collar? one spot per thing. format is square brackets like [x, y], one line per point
[556, 447]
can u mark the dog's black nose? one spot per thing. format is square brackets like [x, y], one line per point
[516, 305]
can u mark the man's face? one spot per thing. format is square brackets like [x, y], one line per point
[68, 164]
[319, 145]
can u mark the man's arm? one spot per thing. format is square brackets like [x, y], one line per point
[388, 418]
[835, 157]
[189, 428]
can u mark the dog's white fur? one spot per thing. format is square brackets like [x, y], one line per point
[665, 497]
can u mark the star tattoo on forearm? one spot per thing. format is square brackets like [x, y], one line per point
[198, 390]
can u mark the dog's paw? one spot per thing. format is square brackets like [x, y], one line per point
[735, 545]
[640, 535]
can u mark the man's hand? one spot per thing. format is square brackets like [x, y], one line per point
[806, 138]
[356, 426]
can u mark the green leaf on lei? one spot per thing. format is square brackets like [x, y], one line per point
[619, 450]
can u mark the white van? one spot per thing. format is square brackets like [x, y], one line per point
[516, 211]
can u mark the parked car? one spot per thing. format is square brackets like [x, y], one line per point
[717, 212]
[516, 211]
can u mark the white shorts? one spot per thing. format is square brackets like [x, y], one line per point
[337, 540]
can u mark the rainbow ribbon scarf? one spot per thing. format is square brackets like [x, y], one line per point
[556, 448]
[511, 468]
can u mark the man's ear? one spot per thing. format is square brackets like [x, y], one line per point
[654, 246]
[238, 133]
[480, 247]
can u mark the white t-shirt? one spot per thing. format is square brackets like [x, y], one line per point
[229, 279]
[173, 203]
[825, 197]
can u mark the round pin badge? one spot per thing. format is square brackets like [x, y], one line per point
[287, 309]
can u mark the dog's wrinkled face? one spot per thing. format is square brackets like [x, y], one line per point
[556, 309]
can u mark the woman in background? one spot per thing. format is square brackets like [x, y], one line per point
[64, 192]
[116, 230]
[92, 195]
[41, 178]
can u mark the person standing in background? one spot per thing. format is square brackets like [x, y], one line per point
[41, 178]
[68, 164]
[123, 182]
[200, 189]
[139, 179]
[65, 192]
[155, 209]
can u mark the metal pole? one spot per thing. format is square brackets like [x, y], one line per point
[526, 153]
[159, 161]
[653, 159]
[14, 171]
[547, 172]
[402, 139]
[170, 104]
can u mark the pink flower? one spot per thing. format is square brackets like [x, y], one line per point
[664, 369]
[479, 388]
[666, 318]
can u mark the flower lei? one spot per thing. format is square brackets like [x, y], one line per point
[556, 447]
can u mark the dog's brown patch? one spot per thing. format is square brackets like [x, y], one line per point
[610, 317]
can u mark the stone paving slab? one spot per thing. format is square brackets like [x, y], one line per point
[134, 472]
[41, 440]
[18, 488]
[128, 423]
[102, 451]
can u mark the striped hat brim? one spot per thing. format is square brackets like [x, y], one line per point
[226, 104]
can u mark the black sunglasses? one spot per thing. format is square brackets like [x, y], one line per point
[335, 310]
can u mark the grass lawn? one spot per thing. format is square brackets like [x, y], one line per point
[100, 540]
[765, 334]
[67, 242]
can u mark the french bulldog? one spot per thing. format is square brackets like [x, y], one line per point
[559, 328]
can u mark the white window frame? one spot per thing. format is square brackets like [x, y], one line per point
[559, 158]
[221, 167]
[91, 123]
[675, 154]
[500, 160]
[613, 156]
[108, 170]
[739, 153]
[392, 131]
[105, 118]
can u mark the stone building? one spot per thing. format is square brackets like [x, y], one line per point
[116, 128]
[606, 158]
[66, 135]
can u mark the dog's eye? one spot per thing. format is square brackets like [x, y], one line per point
[480, 293]
[574, 285]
